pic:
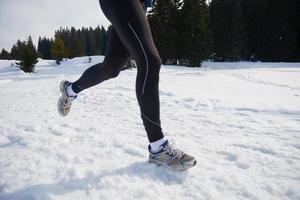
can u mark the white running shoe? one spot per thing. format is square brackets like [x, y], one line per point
[64, 102]
[171, 157]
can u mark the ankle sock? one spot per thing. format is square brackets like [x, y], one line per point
[70, 91]
[157, 145]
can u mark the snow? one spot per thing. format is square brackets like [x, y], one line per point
[240, 120]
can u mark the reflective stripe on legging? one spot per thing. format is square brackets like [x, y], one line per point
[146, 58]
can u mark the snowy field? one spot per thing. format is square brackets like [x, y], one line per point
[240, 120]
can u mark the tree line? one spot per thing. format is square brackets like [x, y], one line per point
[181, 31]
[67, 43]
[187, 32]
[256, 30]
[70, 43]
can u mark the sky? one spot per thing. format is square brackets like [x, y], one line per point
[21, 18]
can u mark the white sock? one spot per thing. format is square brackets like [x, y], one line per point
[70, 91]
[156, 146]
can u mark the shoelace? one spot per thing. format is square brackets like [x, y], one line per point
[173, 151]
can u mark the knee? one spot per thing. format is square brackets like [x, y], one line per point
[154, 63]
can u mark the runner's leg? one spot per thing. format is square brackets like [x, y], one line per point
[129, 20]
[116, 56]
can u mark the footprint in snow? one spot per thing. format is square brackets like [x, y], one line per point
[14, 140]
[229, 156]
[259, 149]
[54, 131]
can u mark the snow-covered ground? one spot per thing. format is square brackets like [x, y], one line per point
[240, 120]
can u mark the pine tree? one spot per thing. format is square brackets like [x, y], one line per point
[228, 27]
[13, 52]
[4, 55]
[90, 42]
[176, 40]
[65, 35]
[28, 55]
[100, 39]
[40, 48]
[44, 48]
[103, 41]
[16, 50]
[195, 32]
[82, 41]
[76, 48]
[279, 38]
[253, 11]
[59, 50]
[265, 30]
[160, 20]
[181, 30]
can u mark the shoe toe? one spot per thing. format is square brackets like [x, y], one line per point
[188, 160]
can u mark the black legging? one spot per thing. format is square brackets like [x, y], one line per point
[130, 35]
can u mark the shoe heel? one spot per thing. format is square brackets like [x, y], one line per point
[62, 85]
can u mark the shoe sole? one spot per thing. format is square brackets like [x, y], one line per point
[61, 88]
[183, 168]
[58, 108]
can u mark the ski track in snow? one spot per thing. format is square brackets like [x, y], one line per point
[240, 120]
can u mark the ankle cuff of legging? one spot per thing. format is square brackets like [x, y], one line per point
[76, 88]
